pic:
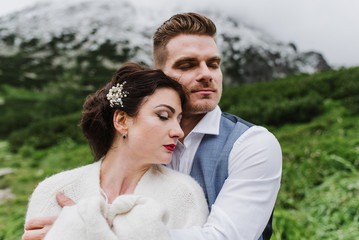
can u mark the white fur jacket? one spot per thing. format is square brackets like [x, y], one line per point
[163, 199]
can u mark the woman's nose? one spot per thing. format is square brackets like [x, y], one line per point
[176, 131]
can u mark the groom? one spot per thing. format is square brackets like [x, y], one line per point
[238, 164]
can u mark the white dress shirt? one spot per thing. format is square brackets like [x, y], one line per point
[244, 205]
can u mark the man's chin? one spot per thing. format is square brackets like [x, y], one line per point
[199, 109]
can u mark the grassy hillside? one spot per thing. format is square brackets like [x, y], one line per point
[314, 117]
[320, 183]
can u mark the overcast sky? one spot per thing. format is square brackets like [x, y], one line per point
[327, 26]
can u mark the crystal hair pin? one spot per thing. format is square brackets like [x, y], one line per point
[116, 94]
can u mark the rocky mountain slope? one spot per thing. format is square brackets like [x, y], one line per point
[89, 34]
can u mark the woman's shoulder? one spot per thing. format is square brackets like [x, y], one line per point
[43, 199]
[170, 179]
[179, 178]
[61, 179]
[165, 184]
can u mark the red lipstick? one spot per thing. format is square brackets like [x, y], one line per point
[170, 147]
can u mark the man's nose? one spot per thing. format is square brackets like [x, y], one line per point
[204, 73]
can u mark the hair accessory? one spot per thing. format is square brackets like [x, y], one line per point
[124, 136]
[116, 94]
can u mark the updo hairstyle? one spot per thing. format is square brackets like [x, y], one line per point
[97, 117]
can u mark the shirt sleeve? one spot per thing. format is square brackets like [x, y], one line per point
[246, 200]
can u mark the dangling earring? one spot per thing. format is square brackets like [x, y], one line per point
[124, 136]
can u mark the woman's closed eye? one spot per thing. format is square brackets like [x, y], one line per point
[163, 115]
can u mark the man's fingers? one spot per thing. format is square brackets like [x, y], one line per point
[37, 228]
[39, 222]
[36, 234]
[63, 200]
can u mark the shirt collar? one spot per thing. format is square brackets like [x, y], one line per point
[209, 124]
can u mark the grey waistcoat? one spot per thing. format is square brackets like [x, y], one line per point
[210, 164]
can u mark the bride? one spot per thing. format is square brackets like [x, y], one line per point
[132, 126]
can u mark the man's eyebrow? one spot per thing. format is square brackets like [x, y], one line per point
[184, 60]
[191, 59]
[214, 59]
[167, 106]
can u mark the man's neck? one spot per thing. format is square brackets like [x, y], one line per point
[189, 121]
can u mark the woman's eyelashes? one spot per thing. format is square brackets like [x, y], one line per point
[163, 115]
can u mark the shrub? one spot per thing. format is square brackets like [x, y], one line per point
[278, 111]
[292, 99]
[47, 132]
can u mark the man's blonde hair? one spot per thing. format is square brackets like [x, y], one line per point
[183, 23]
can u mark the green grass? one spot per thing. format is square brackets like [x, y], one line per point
[320, 183]
[29, 167]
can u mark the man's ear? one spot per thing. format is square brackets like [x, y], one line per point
[120, 121]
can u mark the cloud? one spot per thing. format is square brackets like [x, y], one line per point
[327, 26]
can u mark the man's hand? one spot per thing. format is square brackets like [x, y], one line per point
[63, 200]
[37, 228]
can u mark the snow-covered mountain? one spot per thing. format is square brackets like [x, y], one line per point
[66, 32]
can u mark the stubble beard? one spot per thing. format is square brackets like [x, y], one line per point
[203, 104]
[201, 107]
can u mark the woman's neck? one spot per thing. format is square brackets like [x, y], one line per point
[119, 175]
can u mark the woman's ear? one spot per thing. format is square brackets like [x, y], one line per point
[120, 121]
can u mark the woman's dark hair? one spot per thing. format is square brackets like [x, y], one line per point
[97, 118]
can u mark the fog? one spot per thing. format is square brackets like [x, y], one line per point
[327, 26]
